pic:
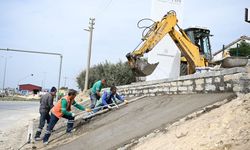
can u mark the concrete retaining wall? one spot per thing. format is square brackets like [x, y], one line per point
[228, 80]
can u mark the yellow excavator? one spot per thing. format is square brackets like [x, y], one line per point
[193, 43]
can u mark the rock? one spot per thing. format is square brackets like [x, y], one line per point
[181, 134]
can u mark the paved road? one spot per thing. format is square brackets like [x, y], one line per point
[17, 111]
[116, 128]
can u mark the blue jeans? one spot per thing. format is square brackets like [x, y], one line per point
[44, 116]
[53, 122]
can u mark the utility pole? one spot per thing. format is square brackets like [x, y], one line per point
[90, 30]
[44, 80]
[5, 69]
[65, 80]
[4, 74]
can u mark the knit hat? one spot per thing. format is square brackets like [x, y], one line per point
[53, 89]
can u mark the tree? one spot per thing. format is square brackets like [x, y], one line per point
[115, 74]
[243, 49]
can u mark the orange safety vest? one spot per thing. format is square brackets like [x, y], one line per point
[57, 109]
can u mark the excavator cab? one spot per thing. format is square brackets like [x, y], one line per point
[200, 37]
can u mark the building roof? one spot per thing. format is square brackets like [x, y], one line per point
[29, 87]
[232, 43]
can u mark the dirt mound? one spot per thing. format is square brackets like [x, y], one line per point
[224, 128]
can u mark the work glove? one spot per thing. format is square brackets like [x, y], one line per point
[73, 114]
[88, 110]
[125, 101]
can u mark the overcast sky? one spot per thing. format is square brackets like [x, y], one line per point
[57, 26]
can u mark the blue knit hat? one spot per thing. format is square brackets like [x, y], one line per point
[53, 89]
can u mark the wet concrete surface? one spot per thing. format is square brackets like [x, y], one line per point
[117, 127]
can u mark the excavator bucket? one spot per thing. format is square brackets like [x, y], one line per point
[142, 68]
[234, 61]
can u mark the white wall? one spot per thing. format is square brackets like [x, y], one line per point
[166, 52]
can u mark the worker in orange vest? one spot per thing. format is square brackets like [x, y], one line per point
[62, 109]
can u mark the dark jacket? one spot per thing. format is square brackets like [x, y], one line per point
[46, 103]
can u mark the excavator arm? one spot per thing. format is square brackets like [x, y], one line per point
[154, 35]
[188, 49]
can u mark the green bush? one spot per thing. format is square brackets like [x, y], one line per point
[243, 49]
[115, 74]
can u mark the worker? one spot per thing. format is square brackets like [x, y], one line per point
[62, 109]
[46, 103]
[109, 98]
[95, 92]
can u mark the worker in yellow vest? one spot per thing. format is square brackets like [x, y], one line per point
[62, 109]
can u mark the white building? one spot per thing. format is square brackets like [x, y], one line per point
[165, 52]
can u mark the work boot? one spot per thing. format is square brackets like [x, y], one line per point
[70, 125]
[71, 131]
[37, 136]
[46, 143]
[46, 138]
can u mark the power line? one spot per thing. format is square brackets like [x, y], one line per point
[104, 8]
